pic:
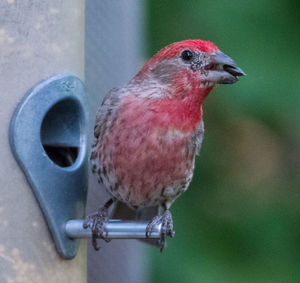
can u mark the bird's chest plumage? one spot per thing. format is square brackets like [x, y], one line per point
[143, 159]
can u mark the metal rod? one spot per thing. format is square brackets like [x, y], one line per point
[116, 229]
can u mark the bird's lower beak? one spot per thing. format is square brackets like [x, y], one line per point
[222, 69]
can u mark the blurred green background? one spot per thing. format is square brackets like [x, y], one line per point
[240, 219]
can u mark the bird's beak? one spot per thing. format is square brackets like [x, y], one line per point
[222, 69]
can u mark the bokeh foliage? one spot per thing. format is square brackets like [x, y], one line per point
[240, 219]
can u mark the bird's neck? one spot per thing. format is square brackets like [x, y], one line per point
[176, 97]
[182, 109]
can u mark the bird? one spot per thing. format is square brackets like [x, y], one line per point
[149, 132]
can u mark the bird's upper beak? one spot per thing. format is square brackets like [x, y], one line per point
[222, 69]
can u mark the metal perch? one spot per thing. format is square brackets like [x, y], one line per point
[116, 229]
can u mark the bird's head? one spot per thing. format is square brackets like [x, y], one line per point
[191, 64]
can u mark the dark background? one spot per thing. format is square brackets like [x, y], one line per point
[240, 219]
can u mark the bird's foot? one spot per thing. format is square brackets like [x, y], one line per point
[166, 222]
[96, 221]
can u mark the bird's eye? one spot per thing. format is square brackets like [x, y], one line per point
[187, 55]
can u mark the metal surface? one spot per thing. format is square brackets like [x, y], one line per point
[115, 229]
[48, 139]
[115, 34]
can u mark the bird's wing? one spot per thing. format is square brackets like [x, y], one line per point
[107, 109]
[198, 137]
[105, 116]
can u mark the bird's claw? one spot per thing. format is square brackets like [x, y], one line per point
[96, 221]
[166, 222]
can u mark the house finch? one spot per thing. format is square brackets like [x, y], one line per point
[148, 132]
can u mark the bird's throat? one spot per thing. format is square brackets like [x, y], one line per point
[180, 114]
[182, 110]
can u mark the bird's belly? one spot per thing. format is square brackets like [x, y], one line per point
[147, 168]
